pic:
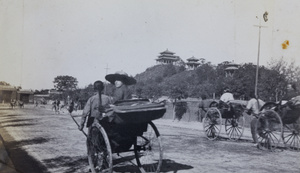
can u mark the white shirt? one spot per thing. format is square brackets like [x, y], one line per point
[226, 97]
[252, 104]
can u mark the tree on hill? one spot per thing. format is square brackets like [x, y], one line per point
[67, 85]
[169, 70]
[63, 83]
[283, 74]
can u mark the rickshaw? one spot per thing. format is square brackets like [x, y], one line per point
[279, 122]
[130, 130]
[232, 112]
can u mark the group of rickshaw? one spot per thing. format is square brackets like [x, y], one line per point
[278, 124]
[133, 128]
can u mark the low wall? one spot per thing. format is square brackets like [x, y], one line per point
[192, 112]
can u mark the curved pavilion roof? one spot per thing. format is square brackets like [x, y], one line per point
[167, 52]
[193, 59]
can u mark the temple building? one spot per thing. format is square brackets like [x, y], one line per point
[192, 63]
[168, 57]
[230, 68]
[7, 93]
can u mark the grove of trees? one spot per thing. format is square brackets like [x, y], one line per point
[207, 79]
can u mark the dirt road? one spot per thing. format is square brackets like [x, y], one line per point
[38, 140]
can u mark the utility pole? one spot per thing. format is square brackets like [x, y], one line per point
[106, 69]
[265, 15]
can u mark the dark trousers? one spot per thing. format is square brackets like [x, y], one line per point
[253, 129]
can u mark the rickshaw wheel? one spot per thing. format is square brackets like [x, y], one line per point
[99, 150]
[148, 150]
[234, 127]
[269, 130]
[212, 123]
[291, 136]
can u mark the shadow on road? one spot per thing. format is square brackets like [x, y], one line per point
[71, 164]
[18, 144]
[221, 138]
[22, 161]
[11, 115]
[16, 121]
[167, 166]
[19, 125]
[171, 166]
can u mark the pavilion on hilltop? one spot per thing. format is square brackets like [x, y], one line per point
[168, 57]
[230, 68]
[192, 63]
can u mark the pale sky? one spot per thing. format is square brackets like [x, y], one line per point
[41, 39]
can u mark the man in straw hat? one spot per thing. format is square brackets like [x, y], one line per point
[121, 80]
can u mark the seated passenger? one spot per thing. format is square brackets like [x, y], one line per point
[225, 100]
[121, 80]
[226, 96]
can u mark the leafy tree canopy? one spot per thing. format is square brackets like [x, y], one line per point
[210, 80]
[65, 83]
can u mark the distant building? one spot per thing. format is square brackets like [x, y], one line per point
[230, 68]
[168, 57]
[192, 63]
[9, 93]
[25, 95]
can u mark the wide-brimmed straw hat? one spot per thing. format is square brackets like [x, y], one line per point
[121, 76]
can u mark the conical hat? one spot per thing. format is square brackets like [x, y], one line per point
[121, 76]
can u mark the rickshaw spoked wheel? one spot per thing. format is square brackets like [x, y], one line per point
[291, 135]
[212, 123]
[99, 150]
[234, 127]
[269, 130]
[148, 150]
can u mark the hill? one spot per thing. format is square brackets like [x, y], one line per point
[210, 80]
[169, 80]
[158, 73]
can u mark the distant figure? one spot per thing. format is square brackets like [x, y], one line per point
[36, 103]
[76, 106]
[253, 107]
[54, 105]
[121, 80]
[71, 106]
[203, 105]
[57, 105]
[21, 104]
[13, 103]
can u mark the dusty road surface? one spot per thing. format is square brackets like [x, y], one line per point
[38, 140]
